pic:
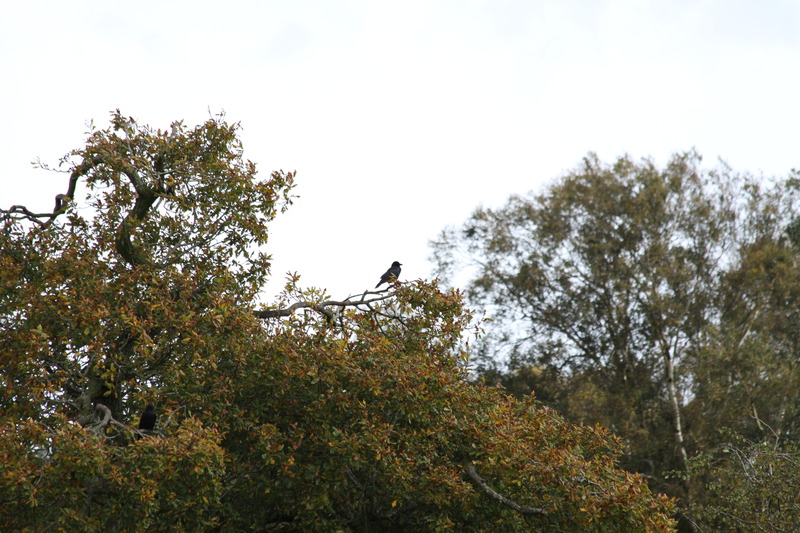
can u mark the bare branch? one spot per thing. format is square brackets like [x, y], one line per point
[62, 200]
[173, 413]
[20, 211]
[473, 475]
[322, 307]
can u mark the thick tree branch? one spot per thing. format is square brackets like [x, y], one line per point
[478, 480]
[145, 198]
[100, 426]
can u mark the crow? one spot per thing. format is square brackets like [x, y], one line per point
[148, 420]
[391, 274]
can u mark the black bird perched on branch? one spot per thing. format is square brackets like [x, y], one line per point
[148, 420]
[391, 274]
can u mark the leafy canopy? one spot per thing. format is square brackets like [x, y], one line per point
[315, 416]
[661, 302]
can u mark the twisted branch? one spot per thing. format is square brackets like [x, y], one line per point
[145, 198]
[62, 200]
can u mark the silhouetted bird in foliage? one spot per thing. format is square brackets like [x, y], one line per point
[390, 275]
[148, 420]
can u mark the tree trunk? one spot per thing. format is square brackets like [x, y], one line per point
[676, 410]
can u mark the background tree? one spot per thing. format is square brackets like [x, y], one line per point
[632, 296]
[753, 486]
[312, 415]
[747, 368]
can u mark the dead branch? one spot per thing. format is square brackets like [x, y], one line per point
[323, 307]
[478, 480]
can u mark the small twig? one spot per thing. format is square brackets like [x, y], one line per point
[173, 413]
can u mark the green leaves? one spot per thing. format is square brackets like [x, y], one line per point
[752, 486]
[659, 302]
[326, 417]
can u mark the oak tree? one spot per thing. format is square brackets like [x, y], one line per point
[310, 414]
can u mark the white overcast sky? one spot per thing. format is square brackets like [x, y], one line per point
[402, 117]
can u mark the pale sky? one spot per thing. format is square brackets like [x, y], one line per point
[403, 117]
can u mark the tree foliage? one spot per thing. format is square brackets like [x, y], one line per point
[659, 302]
[752, 486]
[311, 415]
